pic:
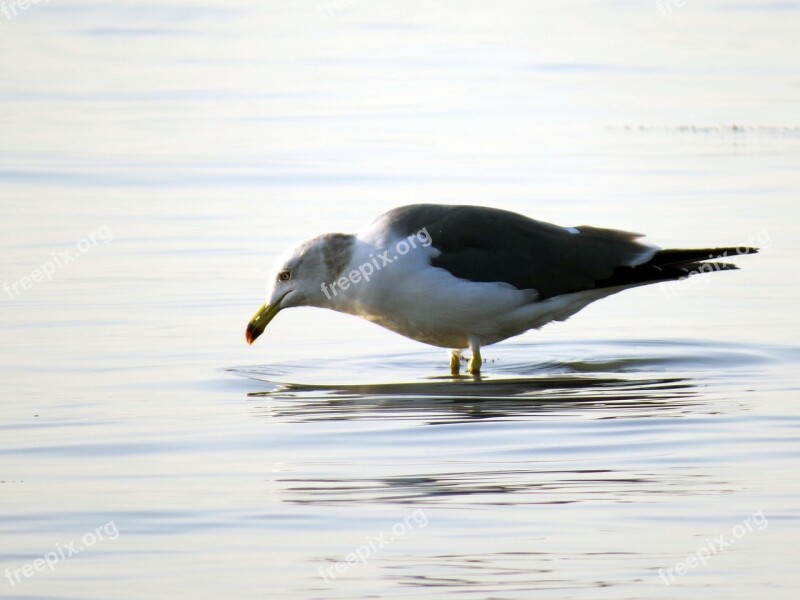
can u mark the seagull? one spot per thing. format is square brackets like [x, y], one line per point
[462, 277]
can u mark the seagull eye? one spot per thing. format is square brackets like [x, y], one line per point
[284, 275]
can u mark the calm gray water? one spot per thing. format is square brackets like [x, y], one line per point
[156, 157]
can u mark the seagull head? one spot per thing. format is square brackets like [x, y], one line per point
[299, 276]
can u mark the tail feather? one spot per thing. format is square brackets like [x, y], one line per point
[665, 258]
[668, 265]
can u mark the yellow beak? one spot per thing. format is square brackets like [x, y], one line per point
[260, 320]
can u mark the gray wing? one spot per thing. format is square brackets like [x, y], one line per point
[492, 245]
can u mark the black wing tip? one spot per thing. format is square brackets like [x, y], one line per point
[673, 268]
[681, 256]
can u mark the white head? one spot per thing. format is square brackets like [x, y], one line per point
[298, 277]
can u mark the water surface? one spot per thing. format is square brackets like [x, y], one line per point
[646, 448]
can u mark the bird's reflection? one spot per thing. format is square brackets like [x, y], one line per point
[442, 401]
[548, 433]
[528, 484]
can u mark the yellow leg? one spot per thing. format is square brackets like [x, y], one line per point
[455, 362]
[475, 362]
